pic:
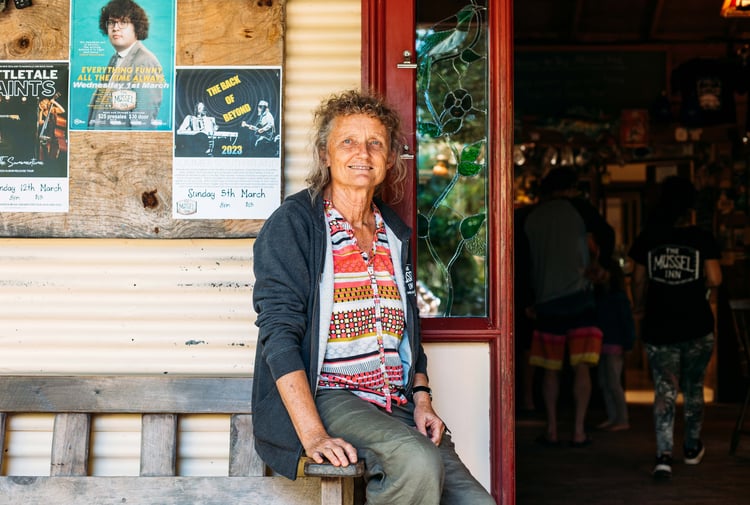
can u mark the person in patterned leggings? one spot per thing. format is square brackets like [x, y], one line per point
[674, 285]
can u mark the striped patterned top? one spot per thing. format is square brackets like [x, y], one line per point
[367, 322]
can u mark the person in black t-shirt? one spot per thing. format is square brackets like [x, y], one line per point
[675, 278]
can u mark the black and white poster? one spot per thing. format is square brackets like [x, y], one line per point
[227, 142]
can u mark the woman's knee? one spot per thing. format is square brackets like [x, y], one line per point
[427, 459]
[418, 458]
[411, 472]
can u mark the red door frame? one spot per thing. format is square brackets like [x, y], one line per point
[387, 31]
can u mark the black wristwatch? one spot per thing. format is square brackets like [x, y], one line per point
[425, 389]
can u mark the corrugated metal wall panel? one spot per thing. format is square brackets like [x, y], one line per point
[323, 55]
[114, 306]
[72, 306]
[115, 445]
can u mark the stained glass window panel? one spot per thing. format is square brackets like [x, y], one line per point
[452, 155]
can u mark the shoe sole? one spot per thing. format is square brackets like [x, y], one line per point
[662, 471]
[697, 459]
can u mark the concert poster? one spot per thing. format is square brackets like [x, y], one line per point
[121, 65]
[227, 142]
[34, 136]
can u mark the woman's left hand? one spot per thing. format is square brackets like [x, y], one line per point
[427, 421]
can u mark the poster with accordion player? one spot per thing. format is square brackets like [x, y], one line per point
[227, 147]
[34, 136]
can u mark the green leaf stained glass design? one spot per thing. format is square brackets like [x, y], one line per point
[452, 167]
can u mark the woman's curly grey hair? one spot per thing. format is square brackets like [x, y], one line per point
[348, 103]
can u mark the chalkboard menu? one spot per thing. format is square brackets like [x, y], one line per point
[551, 83]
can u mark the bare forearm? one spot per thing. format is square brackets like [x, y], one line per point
[422, 397]
[318, 444]
[298, 400]
[713, 281]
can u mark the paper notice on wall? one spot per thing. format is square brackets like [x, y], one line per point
[227, 143]
[122, 65]
[34, 137]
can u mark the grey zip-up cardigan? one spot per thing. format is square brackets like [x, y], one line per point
[289, 258]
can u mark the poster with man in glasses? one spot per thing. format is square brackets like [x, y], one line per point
[121, 78]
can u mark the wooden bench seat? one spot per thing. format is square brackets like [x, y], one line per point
[160, 401]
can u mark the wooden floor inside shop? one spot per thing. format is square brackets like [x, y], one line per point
[616, 468]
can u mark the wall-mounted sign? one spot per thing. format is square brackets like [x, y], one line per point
[33, 137]
[122, 63]
[227, 143]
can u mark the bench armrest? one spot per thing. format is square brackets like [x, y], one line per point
[312, 469]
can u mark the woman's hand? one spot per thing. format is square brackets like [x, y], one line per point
[427, 421]
[337, 451]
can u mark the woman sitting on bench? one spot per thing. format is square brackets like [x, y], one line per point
[340, 371]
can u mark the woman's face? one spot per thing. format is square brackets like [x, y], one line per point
[358, 153]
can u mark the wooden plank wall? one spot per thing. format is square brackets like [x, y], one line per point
[121, 182]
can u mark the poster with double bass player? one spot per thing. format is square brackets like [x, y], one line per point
[34, 136]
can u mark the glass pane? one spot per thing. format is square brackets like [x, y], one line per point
[452, 148]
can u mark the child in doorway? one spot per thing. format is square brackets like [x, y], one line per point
[615, 319]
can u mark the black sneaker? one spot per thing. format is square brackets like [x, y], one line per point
[663, 468]
[695, 455]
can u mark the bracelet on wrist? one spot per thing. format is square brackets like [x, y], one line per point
[424, 389]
